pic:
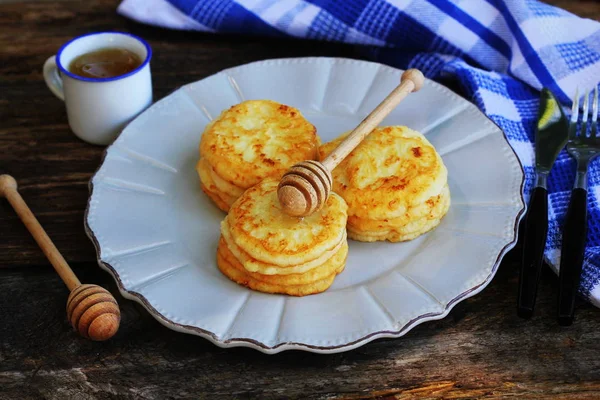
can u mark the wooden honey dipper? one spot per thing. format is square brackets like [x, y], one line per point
[305, 187]
[91, 309]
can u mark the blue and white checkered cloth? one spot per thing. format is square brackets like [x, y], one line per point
[501, 52]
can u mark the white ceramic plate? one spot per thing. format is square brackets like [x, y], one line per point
[156, 232]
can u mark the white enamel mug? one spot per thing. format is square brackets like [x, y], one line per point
[99, 108]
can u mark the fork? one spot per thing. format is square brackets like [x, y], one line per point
[584, 149]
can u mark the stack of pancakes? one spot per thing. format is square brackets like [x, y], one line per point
[266, 250]
[395, 185]
[249, 142]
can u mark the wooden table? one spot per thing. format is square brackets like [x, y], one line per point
[482, 349]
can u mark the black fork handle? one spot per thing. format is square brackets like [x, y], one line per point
[571, 259]
[534, 235]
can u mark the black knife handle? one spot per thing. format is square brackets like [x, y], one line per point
[535, 231]
[571, 256]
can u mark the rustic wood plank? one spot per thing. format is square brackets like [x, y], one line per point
[583, 8]
[482, 349]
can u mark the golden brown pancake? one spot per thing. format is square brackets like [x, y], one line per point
[251, 141]
[216, 198]
[260, 228]
[266, 250]
[374, 230]
[254, 265]
[244, 279]
[390, 172]
[394, 182]
[316, 274]
[210, 178]
[221, 199]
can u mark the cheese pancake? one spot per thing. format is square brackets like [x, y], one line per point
[208, 175]
[392, 171]
[397, 235]
[221, 199]
[316, 274]
[223, 186]
[260, 228]
[261, 267]
[215, 198]
[433, 208]
[404, 232]
[241, 277]
[257, 139]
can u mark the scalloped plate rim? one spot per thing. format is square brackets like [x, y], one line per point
[283, 346]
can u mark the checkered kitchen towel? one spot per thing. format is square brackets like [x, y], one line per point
[501, 52]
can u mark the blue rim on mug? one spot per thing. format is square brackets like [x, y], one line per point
[63, 70]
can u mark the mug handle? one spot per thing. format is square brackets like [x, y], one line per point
[53, 79]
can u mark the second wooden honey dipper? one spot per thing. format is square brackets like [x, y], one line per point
[91, 309]
[305, 187]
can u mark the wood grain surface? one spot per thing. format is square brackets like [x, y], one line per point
[481, 350]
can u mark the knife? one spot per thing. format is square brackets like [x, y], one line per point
[551, 137]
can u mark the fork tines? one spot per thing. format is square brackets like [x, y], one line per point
[585, 115]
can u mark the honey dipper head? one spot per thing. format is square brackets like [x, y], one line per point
[415, 76]
[93, 312]
[304, 188]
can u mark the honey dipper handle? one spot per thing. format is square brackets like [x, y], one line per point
[8, 189]
[411, 81]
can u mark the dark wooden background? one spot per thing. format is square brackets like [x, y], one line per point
[481, 350]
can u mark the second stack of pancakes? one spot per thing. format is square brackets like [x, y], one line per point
[395, 185]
